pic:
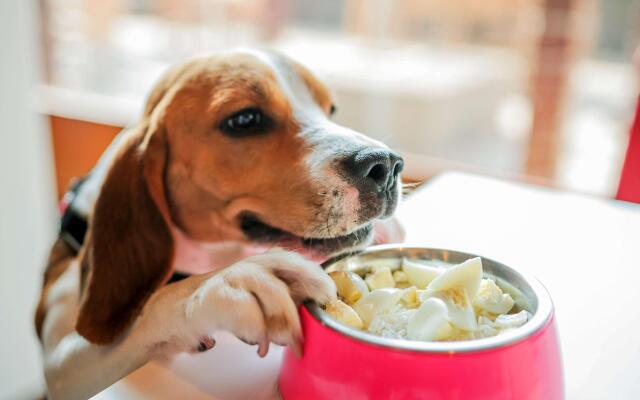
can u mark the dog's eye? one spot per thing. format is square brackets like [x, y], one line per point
[244, 122]
[332, 110]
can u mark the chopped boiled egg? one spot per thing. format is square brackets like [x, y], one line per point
[351, 287]
[459, 307]
[400, 277]
[465, 276]
[457, 287]
[491, 298]
[410, 297]
[430, 322]
[418, 274]
[377, 302]
[380, 279]
[424, 302]
[344, 313]
[391, 263]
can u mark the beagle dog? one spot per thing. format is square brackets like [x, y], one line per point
[236, 151]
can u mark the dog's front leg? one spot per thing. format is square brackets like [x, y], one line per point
[255, 299]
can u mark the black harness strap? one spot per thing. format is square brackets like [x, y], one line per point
[73, 225]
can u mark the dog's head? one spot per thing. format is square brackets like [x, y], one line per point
[237, 146]
[254, 155]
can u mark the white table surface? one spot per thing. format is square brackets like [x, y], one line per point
[585, 250]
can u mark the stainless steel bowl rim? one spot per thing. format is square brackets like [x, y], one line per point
[540, 318]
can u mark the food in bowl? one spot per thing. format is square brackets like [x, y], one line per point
[425, 301]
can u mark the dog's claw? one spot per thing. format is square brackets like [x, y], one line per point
[263, 349]
[206, 343]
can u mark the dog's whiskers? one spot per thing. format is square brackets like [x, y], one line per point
[407, 188]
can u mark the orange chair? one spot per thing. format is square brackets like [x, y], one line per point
[629, 188]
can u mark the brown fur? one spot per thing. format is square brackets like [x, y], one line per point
[130, 250]
[129, 246]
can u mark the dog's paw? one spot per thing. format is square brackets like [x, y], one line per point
[256, 299]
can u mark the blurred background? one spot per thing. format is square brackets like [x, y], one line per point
[535, 90]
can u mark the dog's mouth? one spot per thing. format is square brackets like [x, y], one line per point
[260, 232]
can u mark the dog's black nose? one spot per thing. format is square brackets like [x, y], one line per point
[376, 168]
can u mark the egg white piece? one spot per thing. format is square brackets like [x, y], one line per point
[350, 286]
[377, 302]
[491, 298]
[430, 322]
[392, 263]
[410, 297]
[457, 287]
[400, 276]
[380, 279]
[485, 328]
[359, 283]
[466, 275]
[459, 310]
[342, 313]
[420, 275]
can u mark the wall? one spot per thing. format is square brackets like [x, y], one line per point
[27, 201]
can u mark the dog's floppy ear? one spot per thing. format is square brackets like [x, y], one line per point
[129, 250]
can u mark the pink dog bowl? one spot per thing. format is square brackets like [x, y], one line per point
[344, 363]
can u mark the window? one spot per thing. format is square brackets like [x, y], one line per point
[540, 88]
